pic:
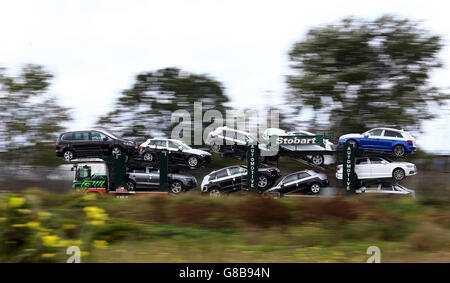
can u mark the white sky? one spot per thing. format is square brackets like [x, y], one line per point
[95, 48]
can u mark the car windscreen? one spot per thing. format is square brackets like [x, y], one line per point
[111, 135]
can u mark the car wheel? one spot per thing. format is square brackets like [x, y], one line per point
[131, 185]
[116, 151]
[176, 187]
[315, 188]
[398, 174]
[263, 181]
[215, 148]
[192, 161]
[317, 160]
[354, 143]
[148, 157]
[68, 155]
[399, 150]
[214, 192]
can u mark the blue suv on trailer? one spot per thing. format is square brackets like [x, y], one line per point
[398, 142]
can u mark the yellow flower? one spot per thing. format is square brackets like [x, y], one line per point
[50, 240]
[29, 250]
[96, 223]
[16, 201]
[96, 213]
[100, 244]
[24, 211]
[44, 215]
[18, 225]
[33, 225]
[2, 219]
[84, 253]
[47, 255]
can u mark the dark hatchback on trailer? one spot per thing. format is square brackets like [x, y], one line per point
[234, 178]
[307, 180]
[93, 143]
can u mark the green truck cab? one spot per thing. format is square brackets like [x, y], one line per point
[85, 179]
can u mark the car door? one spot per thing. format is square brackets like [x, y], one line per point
[81, 143]
[153, 178]
[389, 138]
[140, 178]
[373, 141]
[362, 168]
[175, 154]
[223, 180]
[236, 175]
[289, 183]
[99, 142]
[303, 181]
[380, 168]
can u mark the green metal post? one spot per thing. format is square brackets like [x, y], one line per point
[348, 174]
[253, 152]
[163, 171]
[116, 171]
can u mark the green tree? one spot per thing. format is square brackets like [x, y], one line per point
[145, 109]
[30, 118]
[357, 74]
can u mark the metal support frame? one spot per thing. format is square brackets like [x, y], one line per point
[252, 167]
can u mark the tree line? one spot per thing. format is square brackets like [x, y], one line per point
[353, 75]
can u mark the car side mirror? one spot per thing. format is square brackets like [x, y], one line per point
[180, 148]
[366, 135]
[105, 138]
[384, 162]
[281, 185]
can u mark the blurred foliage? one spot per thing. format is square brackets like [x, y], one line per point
[366, 74]
[30, 118]
[38, 226]
[146, 108]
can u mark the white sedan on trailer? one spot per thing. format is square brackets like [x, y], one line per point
[318, 159]
[386, 188]
[378, 168]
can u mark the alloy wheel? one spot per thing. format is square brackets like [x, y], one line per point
[116, 151]
[215, 148]
[399, 174]
[399, 151]
[148, 157]
[317, 159]
[176, 187]
[262, 181]
[130, 186]
[193, 161]
[315, 188]
[68, 155]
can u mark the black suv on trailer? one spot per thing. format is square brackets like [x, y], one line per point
[234, 178]
[93, 143]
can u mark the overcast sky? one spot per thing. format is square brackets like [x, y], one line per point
[95, 48]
